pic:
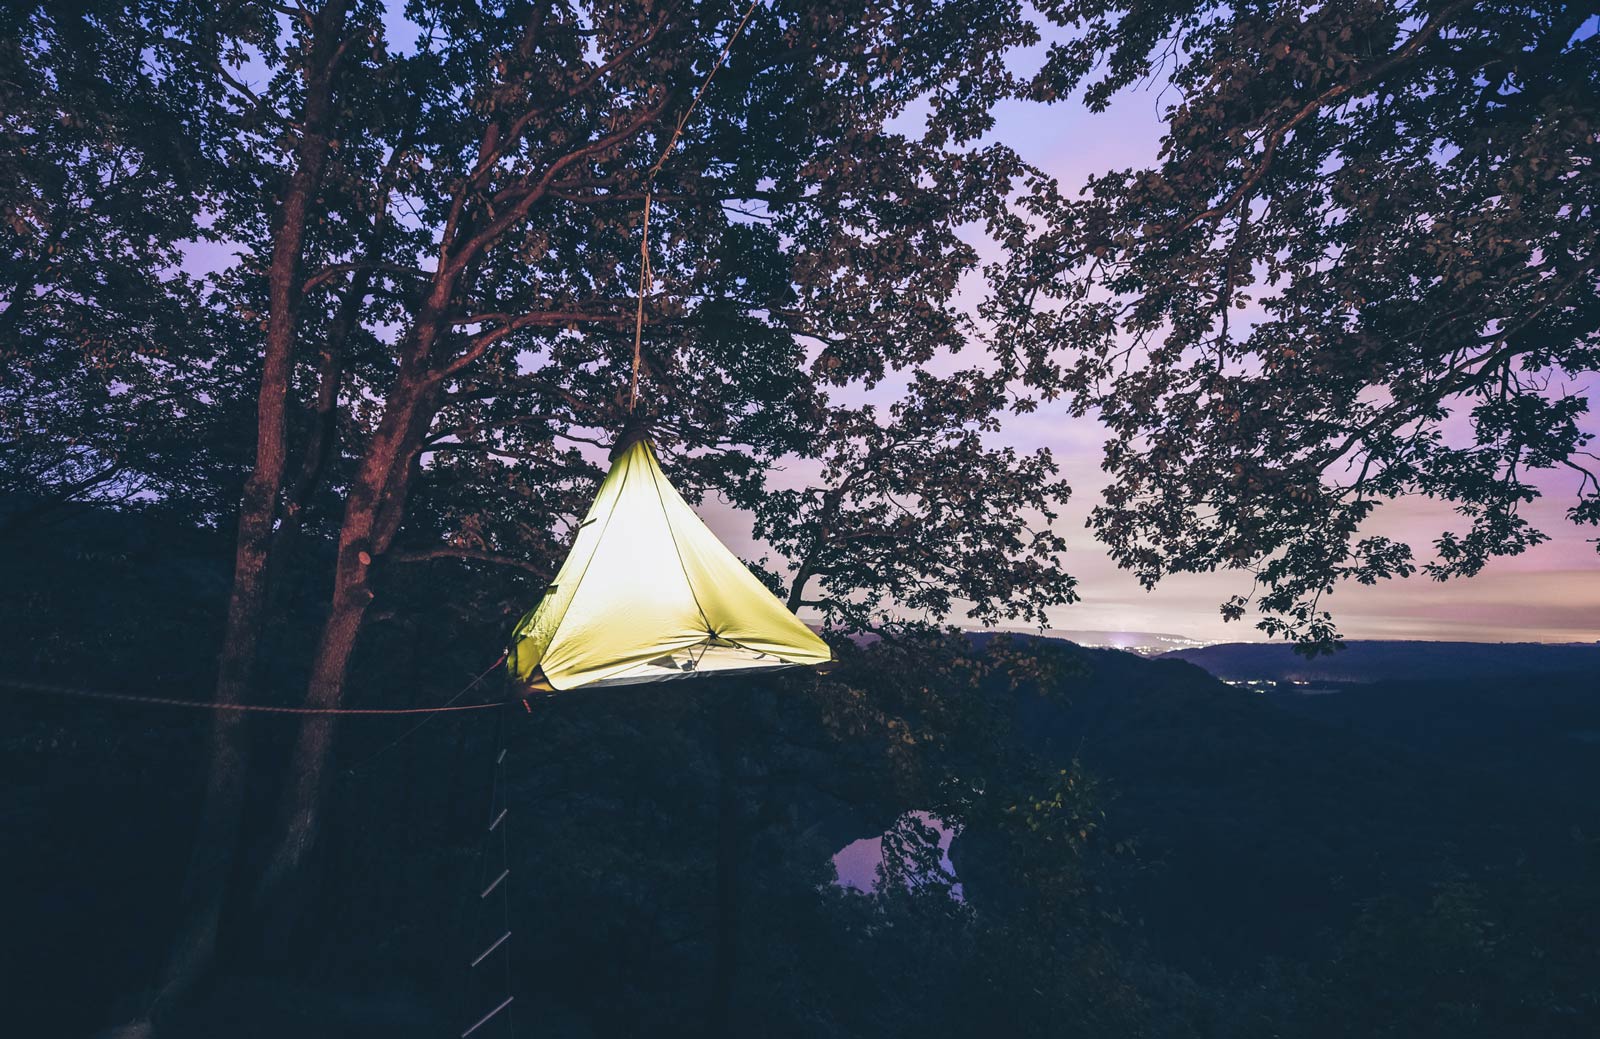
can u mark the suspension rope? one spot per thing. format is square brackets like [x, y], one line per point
[47, 689]
[646, 279]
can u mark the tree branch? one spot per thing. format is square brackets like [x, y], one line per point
[1428, 30]
[531, 193]
[332, 271]
[544, 319]
[426, 555]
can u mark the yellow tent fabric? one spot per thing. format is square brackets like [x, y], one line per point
[648, 594]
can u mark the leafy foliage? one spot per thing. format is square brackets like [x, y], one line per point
[913, 511]
[117, 374]
[1364, 268]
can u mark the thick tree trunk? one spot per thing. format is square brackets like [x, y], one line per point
[281, 893]
[322, 439]
[216, 839]
[372, 515]
[374, 511]
[322, 442]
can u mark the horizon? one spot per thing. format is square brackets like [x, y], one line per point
[1066, 633]
[504, 537]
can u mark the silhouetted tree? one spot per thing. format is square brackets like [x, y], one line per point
[913, 510]
[436, 251]
[1364, 268]
[112, 388]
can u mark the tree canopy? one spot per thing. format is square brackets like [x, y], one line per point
[426, 326]
[341, 294]
[1365, 267]
[108, 165]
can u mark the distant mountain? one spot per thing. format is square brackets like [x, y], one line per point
[1144, 643]
[1263, 822]
[1393, 661]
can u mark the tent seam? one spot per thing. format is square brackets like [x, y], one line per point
[655, 481]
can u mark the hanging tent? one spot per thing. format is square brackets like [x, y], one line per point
[648, 594]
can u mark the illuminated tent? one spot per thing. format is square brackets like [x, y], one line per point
[649, 594]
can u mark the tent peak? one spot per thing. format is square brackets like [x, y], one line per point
[635, 430]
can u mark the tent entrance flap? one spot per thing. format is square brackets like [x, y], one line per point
[648, 594]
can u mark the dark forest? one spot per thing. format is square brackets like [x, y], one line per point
[342, 692]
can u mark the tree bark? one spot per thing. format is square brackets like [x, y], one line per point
[216, 839]
[322, 439]
[372, 515]
[797, 590]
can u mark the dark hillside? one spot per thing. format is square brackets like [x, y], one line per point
[1366, 661]
[1287, 850]
[1538, 733]
[1264, 823]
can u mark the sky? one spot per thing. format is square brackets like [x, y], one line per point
[1551, 593]
[1548, 594]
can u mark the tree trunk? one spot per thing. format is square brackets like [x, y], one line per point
[322, 441]
[797, 590]
[216, 838]
[372, 516]
[373, 513]
[280, 895]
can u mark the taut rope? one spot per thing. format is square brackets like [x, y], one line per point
[645, 277]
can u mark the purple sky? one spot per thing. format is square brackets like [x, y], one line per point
[1551, 593]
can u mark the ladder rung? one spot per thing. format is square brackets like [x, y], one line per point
[504, 874]
[497, 820]
[486, 1017]
[497, 943]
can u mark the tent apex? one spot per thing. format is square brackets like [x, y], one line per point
[635, 430]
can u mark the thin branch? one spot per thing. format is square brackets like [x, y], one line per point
[481, 343]
[332, 271]
[517, 128]
[1429, 29]
[531, 193]
[476, 555]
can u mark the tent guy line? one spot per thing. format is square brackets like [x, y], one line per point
[73, 692]
[646, 279]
